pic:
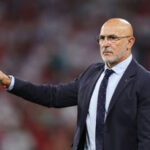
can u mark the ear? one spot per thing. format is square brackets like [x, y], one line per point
[131, 41]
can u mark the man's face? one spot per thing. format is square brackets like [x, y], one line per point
[114, 44]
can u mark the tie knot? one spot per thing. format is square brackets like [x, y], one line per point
[108, 72]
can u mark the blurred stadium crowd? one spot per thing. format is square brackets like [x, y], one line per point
[53, 41]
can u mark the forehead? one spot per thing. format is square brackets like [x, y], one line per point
[114, 30]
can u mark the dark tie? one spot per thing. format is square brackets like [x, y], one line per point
[101, 110]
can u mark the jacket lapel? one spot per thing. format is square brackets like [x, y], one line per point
[89, 90]
[126, 78]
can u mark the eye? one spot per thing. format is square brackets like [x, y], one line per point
[101, 37]
[112, 37]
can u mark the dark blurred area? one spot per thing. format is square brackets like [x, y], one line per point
[53, 41]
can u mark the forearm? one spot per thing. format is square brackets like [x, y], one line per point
[46, 95]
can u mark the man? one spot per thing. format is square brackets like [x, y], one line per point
[113, 99]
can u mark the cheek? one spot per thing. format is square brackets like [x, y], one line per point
[122, 46]
[115, 49]
[118, 48]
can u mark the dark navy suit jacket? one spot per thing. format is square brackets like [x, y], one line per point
[127, 126]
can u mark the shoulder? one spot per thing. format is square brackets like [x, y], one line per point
[95, 66]
[143, 72]
[92, 69]
[143, 79]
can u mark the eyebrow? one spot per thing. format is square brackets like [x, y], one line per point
[109, 35]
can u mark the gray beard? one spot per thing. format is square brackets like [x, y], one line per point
[114, 60]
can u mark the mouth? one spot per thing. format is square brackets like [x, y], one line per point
[107, 53]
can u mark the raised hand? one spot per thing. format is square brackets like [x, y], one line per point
[5, 80]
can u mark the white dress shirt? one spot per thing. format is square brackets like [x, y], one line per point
[119, 69]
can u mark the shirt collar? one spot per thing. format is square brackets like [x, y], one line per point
[121, 67]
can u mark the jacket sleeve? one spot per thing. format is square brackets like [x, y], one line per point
[62, 95]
